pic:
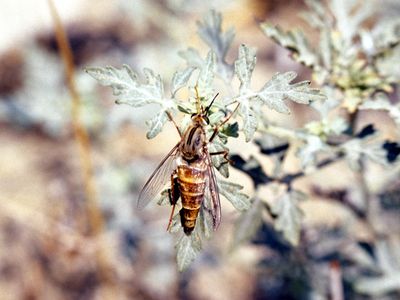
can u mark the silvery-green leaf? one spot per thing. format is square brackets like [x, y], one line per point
[126, 86]
[250, 119]
[248, 223]
[326, 49]
[164, 198]
[231, 191]
[192, 57]
[180, 79]
[381, 102]
[309, 151]
[176, 225]
[210, 31]
[349, 15]
[355, 149]
[388, 264]
[387, 63]
[293, 40]
[331, 101]
[156, 124]
[289, 215]
[206, 77]
[316, 16]
[219, 161]
[188, 246]
[216, 117]
[378, 286]
[205, 220]
[279, 88]
[244, 66]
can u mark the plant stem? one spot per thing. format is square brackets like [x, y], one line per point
[81, 137]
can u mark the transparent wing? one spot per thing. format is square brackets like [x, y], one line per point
[213, 194]
[158, 179]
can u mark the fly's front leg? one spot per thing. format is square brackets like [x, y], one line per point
[217, 127]
[225, 154]
[173, 194]
[173, 121]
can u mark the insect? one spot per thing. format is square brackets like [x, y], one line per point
[189, 169]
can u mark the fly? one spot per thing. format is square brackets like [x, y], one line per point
[189, 169]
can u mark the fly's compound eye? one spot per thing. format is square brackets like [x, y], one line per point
[197, 141]
[193, 115]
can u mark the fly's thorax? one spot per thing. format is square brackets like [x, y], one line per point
[193, 142]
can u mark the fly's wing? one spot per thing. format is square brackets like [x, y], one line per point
[158, 179]
[213, 194]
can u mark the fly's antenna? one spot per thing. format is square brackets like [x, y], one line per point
[209, 106]
[198, 105]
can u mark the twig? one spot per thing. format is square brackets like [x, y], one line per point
[81, 137]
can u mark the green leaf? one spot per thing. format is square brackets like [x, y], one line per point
[248, 223]
[210, 31]
[231, 130]
[188, 246]
[293, 40]
[289, 215]
[231, 191]
[279, 88]
[180, 79]
[244, 66]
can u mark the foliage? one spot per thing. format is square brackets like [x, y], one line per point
[351, 65]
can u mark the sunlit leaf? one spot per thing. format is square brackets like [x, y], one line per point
[180, 79]
[231, 191]
[294, 40]
[156, 124]
[279, 88]
[289, 215]
[206, 77]
[244, 66]
[210, 30]
[192, 57]
[381, 102]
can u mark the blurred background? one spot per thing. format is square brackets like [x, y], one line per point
[49, 206]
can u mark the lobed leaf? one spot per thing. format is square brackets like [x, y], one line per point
[188, 246]
[206, 77]
[244, 66]
[279, 88]
[231, 192]
[293, 40]
[210, 31]
[156, 124]
[289, 215]
[180, 79]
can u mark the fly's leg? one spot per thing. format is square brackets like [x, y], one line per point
[173, 194]
[217, 127]
[173, 121]
[225, 154]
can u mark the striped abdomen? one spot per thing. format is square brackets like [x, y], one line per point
[192, 184]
